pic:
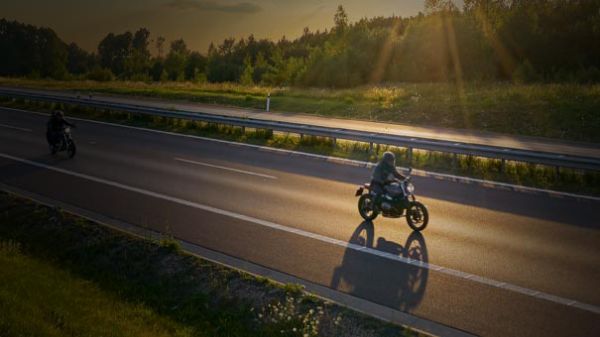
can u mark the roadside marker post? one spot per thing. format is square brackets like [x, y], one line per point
[268, 102]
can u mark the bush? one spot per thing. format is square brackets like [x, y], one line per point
[525, 73]
[589, 75]
[100, 74]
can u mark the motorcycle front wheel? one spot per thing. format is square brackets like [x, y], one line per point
[71, 149]
[417, 216]
[366, 207]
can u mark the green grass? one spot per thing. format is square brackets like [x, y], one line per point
[561, 111]
[38, 298]
[66, 276]
[540, 176]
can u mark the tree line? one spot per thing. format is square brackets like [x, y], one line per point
[486, 40]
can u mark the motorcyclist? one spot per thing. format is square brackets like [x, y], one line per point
[384, 170]
[55, 126]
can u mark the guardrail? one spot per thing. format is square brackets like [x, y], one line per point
[536, 157]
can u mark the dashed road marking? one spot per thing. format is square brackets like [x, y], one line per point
[225, 168]
[15, 128]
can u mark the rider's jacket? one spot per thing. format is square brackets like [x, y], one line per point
[382, 171]
[56, 124]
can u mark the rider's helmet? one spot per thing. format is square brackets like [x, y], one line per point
[389, 158]
[59, 113]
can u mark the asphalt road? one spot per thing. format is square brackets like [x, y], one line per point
[457, 135]
[290, 213]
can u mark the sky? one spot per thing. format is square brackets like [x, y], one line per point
[198, 22]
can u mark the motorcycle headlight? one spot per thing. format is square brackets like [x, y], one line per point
[410, 188]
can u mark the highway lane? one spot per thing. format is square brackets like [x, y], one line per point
[487, 232]
[457, 135]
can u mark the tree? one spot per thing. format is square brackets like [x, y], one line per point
[175, 62]
[247, 77]
[79, 61]
[138, 62]
[114, 50]
[157, 70]
[226, 61]
[53, 54]
[30, 51]
[140, 42]
[261, 66]
[520, 40]
[437, 6]
[340, 19]
[160, 42]
[126, 54]
[195, 65]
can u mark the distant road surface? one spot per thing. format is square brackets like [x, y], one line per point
[495, 262]
[457, 135]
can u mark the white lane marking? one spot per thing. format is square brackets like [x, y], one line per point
[352, 162]
[15, 128]
[322, 238]
[225, 168]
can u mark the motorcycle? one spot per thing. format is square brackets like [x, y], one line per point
[64, 143]
[398, 200]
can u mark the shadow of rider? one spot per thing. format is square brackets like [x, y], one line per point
[381, 279]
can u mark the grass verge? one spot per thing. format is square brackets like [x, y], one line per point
[561, 111]
[41, 299]
[63, 275]
[518, 173]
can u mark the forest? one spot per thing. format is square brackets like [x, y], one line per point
[522, 41]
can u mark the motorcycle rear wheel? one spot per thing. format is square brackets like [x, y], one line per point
[366, 207]
[417, 216]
